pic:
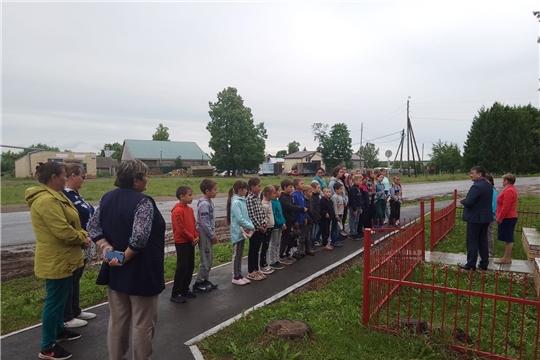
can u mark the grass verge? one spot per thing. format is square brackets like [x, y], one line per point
[23, 298]
[332, 306]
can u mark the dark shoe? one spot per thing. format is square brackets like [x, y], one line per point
[55, 352]
[277, 266]
[337, 245]
[297, 256]
[201, 287]
[315, 250]
[465, 267]
[310, 253]
[67, 335]
[189, 295]
[209, 283]
[178, 299]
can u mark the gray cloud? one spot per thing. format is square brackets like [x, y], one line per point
[78, 75]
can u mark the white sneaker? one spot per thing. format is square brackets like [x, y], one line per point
[267, 270]
[246, 280]
[86, 316]
[75, 323]
[238, 281]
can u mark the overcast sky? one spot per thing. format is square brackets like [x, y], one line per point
[79, 75]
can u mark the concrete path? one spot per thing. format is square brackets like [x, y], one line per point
[517, 266]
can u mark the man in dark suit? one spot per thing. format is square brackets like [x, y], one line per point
[477, 214]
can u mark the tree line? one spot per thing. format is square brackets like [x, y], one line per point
[502, 138]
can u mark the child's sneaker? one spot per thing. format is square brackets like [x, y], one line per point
[55, 352]
[261, 274]
[247, 281]
[285, 261]
[328, 247]
[291, 259]
[178, 299]
[209, 283]
[201, 287]
[67, 335]
[255, 275]
[277, 266]
[239, 281]
[189, 295]
[318, 244]
[267, 270]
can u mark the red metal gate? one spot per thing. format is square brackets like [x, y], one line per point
[441, 222]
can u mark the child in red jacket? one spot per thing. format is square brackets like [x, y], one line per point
[185, 238]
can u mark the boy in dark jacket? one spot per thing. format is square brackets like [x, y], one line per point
[316, 210]
[327, 215]
[304, 240]
[355, 206]
[290, 208]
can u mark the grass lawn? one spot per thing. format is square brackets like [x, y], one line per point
[13, 189]
[332, 306]
[23, 298]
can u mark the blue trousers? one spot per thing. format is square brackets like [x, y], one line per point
[477, 244]
[353, 222]
[52, 318]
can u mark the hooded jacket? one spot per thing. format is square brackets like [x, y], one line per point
[239, 218]
[58, 230]
[289, 207]
[183, 224]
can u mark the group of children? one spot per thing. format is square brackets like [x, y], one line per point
[281, 223]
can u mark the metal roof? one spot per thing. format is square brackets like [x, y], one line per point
[300, 154]
[151, 149]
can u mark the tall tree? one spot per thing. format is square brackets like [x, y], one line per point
[335, 146]
[502, 139]
[161, 134]
[370, 154]
[446, 157]
[293, 147]
[281, 153]
[116, 148]
[238, 142]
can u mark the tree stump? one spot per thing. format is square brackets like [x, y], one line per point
[289, 329]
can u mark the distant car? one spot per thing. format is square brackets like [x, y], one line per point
[292, 172]
[223, 173]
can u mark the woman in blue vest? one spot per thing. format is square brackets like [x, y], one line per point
[130, 222]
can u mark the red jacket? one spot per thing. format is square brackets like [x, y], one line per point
[183, 224]
[506, 204]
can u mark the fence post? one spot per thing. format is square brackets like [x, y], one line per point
[423, 225]
[432, 226]
[367, 270]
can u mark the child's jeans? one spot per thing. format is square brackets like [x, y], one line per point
[273, 250]
[238, 252]
[315, 234]
[334, 232]
[353, 222]
[304, 240]
[264, 248]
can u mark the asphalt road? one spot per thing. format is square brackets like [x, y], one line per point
[17, 227]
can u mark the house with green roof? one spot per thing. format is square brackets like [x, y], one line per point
[163, 153]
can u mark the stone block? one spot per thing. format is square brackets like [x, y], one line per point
[290, 329]
[531, 243]
[536, 276]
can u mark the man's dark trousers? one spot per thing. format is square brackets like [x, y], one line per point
[477, 245]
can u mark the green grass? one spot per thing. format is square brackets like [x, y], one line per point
[333, 311]
[23, 298]
[454, 241]
[13, 191]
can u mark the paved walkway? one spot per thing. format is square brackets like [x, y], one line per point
[517, 266]
[178, 323]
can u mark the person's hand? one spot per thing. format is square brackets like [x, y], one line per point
[104, 251]
[115, 262]
[87, 243]
[345, 204]
[195, 241]
[305, 209]
[361, 211]
[296, 225]
[215, 240]
[328, 216]
[283, 227]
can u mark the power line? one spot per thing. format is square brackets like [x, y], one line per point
[442, 119]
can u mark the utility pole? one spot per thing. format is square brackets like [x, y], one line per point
[408, 137]
[537, 15]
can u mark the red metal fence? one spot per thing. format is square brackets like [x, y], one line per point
[441, 221]
[494, 315]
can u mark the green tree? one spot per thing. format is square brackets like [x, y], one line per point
[293, 147]
[115, 147]
[502, 139]
[370, 155]
[281, 153]
[335, 146]
[238, 142]
[446, 157]
[9, 157]
[161, 134]
[178, 162]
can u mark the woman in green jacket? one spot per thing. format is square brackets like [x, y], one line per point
[59, 238]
